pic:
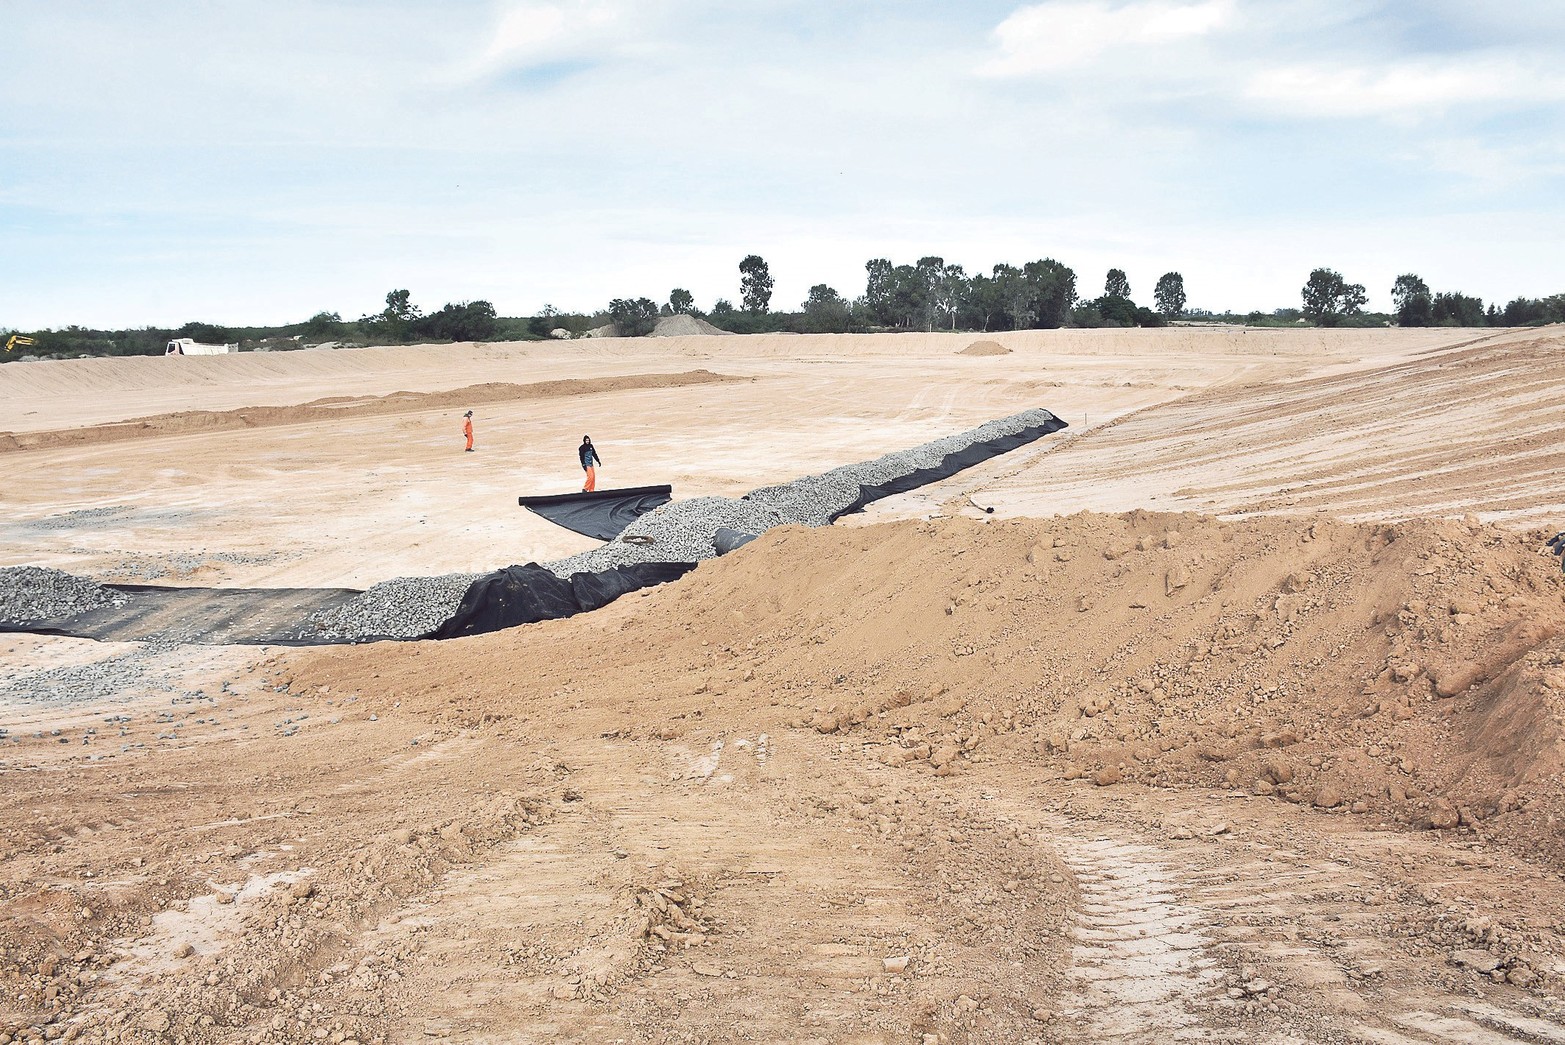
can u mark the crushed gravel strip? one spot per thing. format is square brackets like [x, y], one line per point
[401, 608]
[34, 593]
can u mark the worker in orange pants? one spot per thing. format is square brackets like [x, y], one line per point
[589, 457]
[467, 430]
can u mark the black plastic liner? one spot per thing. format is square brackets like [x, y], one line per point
[528, 594]
[603, 514]
[950, 464]
[215, 616]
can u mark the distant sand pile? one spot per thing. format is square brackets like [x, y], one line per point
[985, 348]
[683, 326]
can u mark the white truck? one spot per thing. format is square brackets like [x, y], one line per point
[185, 346]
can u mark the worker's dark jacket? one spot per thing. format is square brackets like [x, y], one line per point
[588, 455]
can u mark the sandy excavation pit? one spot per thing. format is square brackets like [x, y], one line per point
[1238, 719]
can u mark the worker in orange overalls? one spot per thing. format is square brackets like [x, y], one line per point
[467, 430]
[589, 457]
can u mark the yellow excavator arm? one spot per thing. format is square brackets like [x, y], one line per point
[18, 339]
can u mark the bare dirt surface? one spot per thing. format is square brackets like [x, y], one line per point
[1280, 765]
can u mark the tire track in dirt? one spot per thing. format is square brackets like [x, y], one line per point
[1140, 972]
[1193, 941]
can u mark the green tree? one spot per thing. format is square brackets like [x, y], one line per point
[1411, 298]
[682, 302]
[1328, 298]
[544, 323]
[633, 317]
[1054, 291]
[929, 272]
[467, 321]
[1117, 285]
[1016, 295]
[1170, 294]
[825, 311]
[1116, 310]
[878, 291]
[755, 284]
[1456, 309]
[982, 302]
[395, 322]
[203, 333]
[951, 292]
[909, 288]
[722, 308]
[324, 325]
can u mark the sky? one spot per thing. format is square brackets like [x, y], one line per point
[258, 161]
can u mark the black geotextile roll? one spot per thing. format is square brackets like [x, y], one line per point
[603, 514]
[528, 594]
[950, 464]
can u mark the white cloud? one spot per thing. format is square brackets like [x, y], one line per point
[1069, 34]
[1404, 88]
[533, 34]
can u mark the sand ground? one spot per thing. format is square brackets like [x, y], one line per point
[1239, 718]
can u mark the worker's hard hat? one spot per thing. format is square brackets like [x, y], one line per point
[468, 414]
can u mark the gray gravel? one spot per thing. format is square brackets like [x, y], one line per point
[680, 531]
[180, 564]
[34, 593]
[401, 608]
[120, 677]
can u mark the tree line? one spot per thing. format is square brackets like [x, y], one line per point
[929, 294]
[1330, 300]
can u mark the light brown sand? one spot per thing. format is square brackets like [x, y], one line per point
[1291, 776]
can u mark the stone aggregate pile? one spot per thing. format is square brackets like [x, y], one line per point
[35, 593]
[401, 608]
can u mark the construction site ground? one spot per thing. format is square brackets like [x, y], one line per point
[1238, 717]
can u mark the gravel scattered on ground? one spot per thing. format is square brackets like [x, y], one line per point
[119, 677]
[181, 564]
[34, 593]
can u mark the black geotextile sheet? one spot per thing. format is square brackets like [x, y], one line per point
[603, 514]
[209, 616]
[950, 464]
[527, 594]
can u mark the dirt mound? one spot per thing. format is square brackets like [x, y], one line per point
[1409, 673]
[189, 421]
[683, 326]
[985, 348]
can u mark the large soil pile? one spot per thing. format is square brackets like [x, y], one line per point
[1408, 673]
[985, 348]
[684, 326]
